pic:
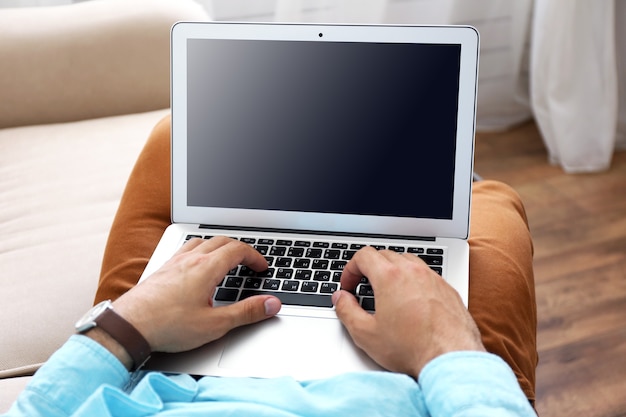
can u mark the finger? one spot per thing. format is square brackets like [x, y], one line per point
[203, 245]
[215, 259]
[359, 266]
[248, 311]
[210, 245]
[235, 253]
[252, 257]
[190, 245]
[357, 321]
[413, 258]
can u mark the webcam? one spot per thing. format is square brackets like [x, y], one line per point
[320, 34]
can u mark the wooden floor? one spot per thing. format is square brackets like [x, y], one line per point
[578, 223]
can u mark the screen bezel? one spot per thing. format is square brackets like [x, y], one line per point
[456, 227]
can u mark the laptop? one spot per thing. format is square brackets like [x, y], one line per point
[308, 142]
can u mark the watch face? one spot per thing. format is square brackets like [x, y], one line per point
[88, 321]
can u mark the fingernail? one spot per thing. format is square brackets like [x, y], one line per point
[335, 297]
[272, 306]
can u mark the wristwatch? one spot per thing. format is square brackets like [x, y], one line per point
[103, 316]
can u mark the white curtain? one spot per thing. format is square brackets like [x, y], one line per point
[575, 81]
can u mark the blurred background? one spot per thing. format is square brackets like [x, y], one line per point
[557, 61]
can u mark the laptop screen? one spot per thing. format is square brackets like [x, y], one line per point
[329, 127]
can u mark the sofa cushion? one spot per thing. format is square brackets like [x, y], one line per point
[85, 60]
[10, 389]
[60, 187]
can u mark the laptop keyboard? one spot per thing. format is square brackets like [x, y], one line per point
[306, 272]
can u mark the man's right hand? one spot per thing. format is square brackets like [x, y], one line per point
[418, 317]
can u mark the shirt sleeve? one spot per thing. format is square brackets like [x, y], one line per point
[83, 378]
[68, 378]
[472, 384]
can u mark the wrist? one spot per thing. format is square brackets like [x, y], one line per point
[116, 334]
[110, 344]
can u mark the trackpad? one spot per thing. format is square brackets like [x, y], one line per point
[302, 347]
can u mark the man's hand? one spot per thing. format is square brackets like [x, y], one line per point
[418, 315]
[173, 308]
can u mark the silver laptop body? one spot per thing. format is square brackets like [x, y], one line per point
[327, 136]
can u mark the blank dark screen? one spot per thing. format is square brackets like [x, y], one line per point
[355, 128]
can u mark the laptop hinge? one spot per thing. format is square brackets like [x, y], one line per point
[317, 232]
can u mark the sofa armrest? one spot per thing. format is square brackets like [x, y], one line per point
[86, 60]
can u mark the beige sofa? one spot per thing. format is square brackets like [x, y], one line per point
[80, 88]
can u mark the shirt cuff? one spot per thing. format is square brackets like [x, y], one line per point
[472, 380]
[74, 372]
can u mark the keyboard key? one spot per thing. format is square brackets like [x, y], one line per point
[282, 242]
[285, 273]
[434, 251]
[319, 264]
[399, 249]
[283, 262]
[302, 263]
[244, 271]
[295, 252]
[290, 285]
[310, 286]
[366, 291]
[348, 254]
[339, 245]
[336, 276]
[415, 250]
[313, 253]
[328, 288]
[252, 283]
[432, 259]
[337, 265]
[332, 254]
[321, 244]
[271, 284]
[321, 276]
[266, 241]
[368, 304]
[248, 240]
[357, 246]
[262, 249]
[303, 274]
[268, 273]
[278, 251]
[289, 298]
[226, 294]
[233, 282]
[302, 243]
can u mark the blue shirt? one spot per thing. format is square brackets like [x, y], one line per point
[84, 379]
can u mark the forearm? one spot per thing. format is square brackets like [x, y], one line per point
[472, 384]
[69, 378]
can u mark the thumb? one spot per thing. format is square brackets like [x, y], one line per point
[356, 320]
[250, 310]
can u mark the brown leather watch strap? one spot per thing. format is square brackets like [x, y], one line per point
[126, 335]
